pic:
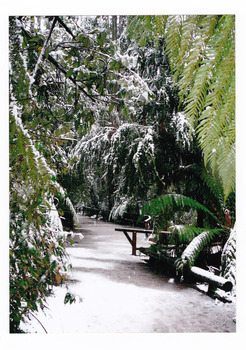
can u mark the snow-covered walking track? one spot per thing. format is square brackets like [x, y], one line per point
[121, 294]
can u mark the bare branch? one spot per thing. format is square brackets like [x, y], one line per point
[66, 27]
[42, 52]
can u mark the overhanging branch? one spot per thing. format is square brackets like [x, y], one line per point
[42, 52]
[65, 27]
[56, 64]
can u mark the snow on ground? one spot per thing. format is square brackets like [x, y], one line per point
[121, 294]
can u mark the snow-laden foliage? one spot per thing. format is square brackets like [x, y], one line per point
[94, 119]
[118, 167]
[201, 53]
[183, 129]
[215, 222]
[116, 148]
[50, 104]
[192, 251]
[37, 254]
[228, 258]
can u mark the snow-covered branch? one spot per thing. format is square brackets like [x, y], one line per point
[41, 55]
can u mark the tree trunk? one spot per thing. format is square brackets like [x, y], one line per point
[114, 28]
[200, 218]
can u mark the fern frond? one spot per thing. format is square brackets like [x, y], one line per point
[172, 202]
[207, 71]
[173, 40]
[228, 258]
[213, 184]
[186, 42]
[192, 251]
[186, 232]
[158, 26]
[139, 27]
[201, 51]
[227, 169]
[199, 90]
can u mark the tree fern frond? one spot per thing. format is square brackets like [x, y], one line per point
[209, 73]
[195, 101]
[187, 29]
[144, 28]
[201, 51]
[186, 232]
[222, 87]
[220, 155]
[159, 26]
[137, 27]
[207, 140]
[223, 36]
[228, 258]
[213, 184]
[195, 31]
[227, 170]
[173, 202]
[192, 251]
[173, 40]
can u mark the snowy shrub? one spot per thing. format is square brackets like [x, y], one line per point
[37, 262]
[118, 209]
[37, 251]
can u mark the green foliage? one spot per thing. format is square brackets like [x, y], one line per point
[66, 77]
[145, 28]
[205, 66]
[37, 252]
[187, 233]
[162, 210]
[201, 51]
[41, 133]
[208, 189]
[173, 202]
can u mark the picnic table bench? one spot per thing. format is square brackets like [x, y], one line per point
[135, 231]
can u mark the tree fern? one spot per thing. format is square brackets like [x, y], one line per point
[210, 78]
[197, 237]
[201, 51]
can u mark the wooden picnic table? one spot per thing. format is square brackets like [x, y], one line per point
[135, 231]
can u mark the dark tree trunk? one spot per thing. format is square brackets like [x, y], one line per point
[200, 218]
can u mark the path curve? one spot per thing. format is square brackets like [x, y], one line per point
[121, 294]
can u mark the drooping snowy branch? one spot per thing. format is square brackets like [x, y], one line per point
[41, 163]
